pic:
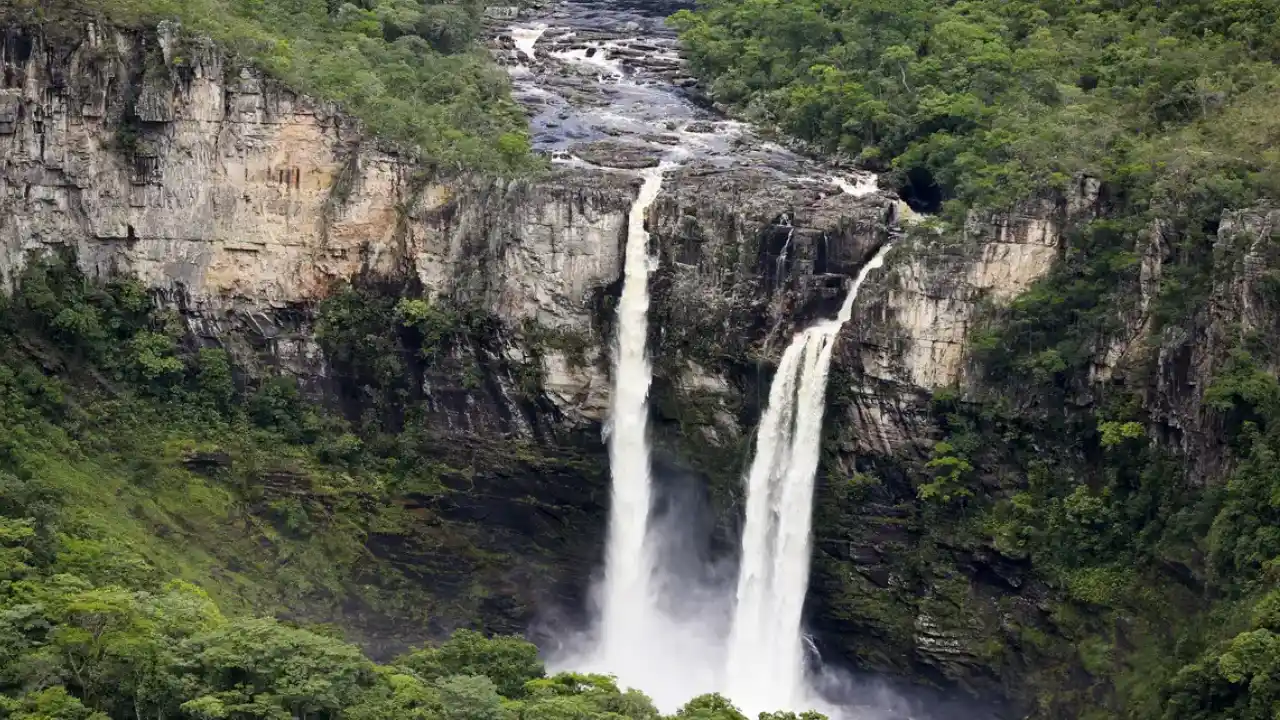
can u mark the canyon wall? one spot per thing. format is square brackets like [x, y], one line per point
[243, 206]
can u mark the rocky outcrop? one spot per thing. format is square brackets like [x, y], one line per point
[911, 331]
[155, 156]
[1243, 303]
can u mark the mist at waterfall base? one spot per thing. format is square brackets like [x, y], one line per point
[684, 656]
[676, 651]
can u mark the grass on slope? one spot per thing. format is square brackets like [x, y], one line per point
[142, 463]
[263, 526]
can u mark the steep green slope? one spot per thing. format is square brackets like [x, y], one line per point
[133, 459]
[412, 71]
[153, 501]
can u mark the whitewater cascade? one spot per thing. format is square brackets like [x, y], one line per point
[765, 664]
[627, 602]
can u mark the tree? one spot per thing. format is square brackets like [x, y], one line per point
[399, 695]
[509, 661]
[712, 706]
[258, 668]
[469, 697]
[572, 695]
[53, 703]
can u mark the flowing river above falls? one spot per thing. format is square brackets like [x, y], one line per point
[604, 85]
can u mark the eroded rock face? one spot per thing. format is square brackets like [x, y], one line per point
[1242, 302]
[934, 289]
[911, 329]
[153, 156]
[240, 198]
[243, 205]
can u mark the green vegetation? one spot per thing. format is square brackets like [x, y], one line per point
[1160, 581]
[142, 461]
[412, 70]
[1157, 593]
[985, 103]
[997, 100]
[154, 503]
[129, 457]
[70, 650]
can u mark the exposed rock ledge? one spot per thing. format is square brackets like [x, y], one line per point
[240, 201]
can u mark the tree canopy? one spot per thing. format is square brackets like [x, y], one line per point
[990, 101]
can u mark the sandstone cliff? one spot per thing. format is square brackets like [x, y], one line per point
[243, 205]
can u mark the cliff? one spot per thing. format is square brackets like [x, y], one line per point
[244, 207]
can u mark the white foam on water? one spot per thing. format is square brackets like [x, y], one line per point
[598, 60]
[863, 184]
[527, 37]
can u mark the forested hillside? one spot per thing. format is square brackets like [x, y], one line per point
[151, 505]
[414, 72]
[1153, 528]
[986, 102]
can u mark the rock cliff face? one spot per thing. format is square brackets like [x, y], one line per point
[1242, 303]
[243, 205]
[157, 156]
[913, 332]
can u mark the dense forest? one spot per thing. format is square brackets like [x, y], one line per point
[1164, 580]
[986, 102]
[414, 72]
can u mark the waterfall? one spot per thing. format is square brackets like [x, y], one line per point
[765, 664]
[628, 604]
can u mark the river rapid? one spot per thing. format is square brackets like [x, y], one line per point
[604, 85]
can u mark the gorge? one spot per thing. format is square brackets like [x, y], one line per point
[683, 400]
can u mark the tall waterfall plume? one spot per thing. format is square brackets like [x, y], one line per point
[765, 665]
[627, 603]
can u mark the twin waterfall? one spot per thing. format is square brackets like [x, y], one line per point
[760, 664]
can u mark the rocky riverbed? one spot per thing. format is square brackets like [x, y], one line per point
[605, 86]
